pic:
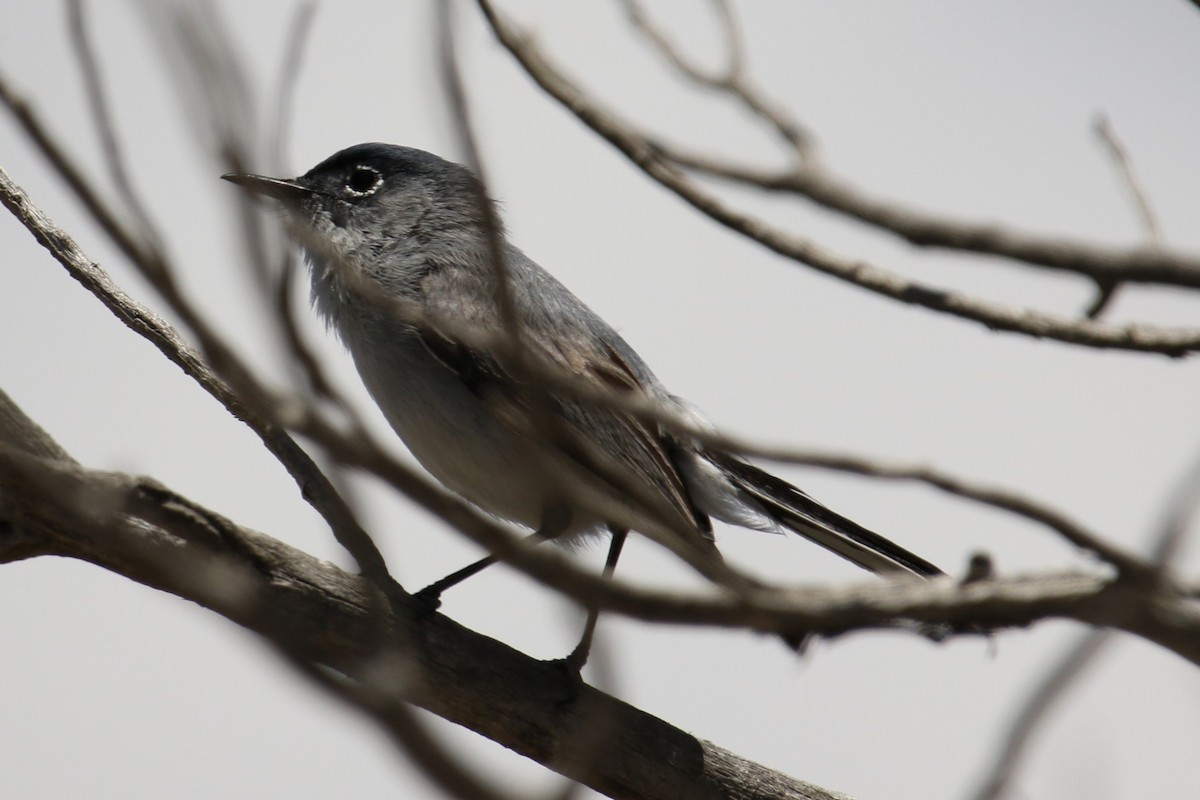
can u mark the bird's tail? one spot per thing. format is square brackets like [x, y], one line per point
[793, 509]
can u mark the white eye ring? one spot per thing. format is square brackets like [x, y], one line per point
[363, 181]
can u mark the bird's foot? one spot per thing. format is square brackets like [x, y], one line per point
[572, 679]
[428, 600]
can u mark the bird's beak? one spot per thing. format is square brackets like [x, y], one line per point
[286, 190]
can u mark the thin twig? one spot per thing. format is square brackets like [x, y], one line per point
[1037, 708]
[1119, 156]
[277, 286]
[1049, 693]
[732, 80]
[285, 276]
[195, 42]
[734, 45]
[89, 67]
[314, 486]
[285, 91]
[460, 115]
[1104, 264]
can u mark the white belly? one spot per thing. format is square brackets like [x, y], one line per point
[456, 437]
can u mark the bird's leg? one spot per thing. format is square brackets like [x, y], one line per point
[579, 655]
[555, 520]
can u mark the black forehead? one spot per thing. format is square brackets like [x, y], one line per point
[389, 159]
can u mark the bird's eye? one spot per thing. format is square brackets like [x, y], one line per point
[363, 181]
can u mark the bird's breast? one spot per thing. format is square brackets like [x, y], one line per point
[454, 433]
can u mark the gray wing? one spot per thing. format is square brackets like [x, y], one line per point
[561, 332]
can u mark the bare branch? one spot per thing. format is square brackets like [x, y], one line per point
[260, 242]
[1117, 153]
[1124, 166]
[819, 185]
[716, 79]
[1163, 613]
[1140, 265]
[1130, 265]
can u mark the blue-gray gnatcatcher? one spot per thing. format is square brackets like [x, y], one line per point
[384, 223]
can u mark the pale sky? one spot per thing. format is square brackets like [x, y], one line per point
[974, 109]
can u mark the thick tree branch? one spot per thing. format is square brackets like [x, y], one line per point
[311, 610]
[317, 612]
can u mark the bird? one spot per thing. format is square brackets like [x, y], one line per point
[401, 247]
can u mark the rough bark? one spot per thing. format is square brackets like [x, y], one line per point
[49, 505]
